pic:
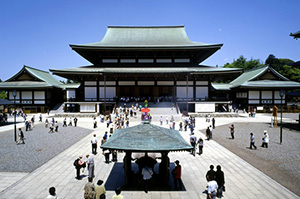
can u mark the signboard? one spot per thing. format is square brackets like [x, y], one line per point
[208, 107]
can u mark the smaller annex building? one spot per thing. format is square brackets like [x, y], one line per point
[35, 90]
[258, 87]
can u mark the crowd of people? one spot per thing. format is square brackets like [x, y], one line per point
[128, 99]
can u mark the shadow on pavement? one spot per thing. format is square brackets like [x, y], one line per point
[116, 178]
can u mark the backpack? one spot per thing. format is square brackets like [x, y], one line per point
[76, 162]
[88, 194]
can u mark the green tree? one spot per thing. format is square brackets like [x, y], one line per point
[242, 62]
[3, 95]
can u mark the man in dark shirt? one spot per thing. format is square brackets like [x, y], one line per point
[211, 174]
[220, 180]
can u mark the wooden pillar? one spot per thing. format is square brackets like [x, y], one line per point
[127, 168]
[187, 94]
[104, 94]
[164, 169]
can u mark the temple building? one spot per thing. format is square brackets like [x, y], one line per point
[155, 63]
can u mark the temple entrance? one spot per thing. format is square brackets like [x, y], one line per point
[145, 91]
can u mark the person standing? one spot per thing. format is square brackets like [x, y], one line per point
[52, 194]
[265, 139]
[89, 189]
[91, 165]
[252, 141]
[161, 120]
[231, 127]
[56, 126]
[94, 142]
[95, 123]
[207, 132]
[118, 194]
[41, 118]
[193, 140]
[212, 187]
[200, 145]
[167, 120]
[147, 175]
[78, 165]
[21, 137]
[213, 122]
[211, 174]
[220, 181]
[100, 190]
[177, 175]
[210, 132]
[75, 121]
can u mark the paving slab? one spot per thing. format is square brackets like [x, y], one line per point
[242, 179]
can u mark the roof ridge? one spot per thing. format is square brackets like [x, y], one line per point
[161, 26]
[36, 69]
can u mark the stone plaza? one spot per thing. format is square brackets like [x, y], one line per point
[242, 180]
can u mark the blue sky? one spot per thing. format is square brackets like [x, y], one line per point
[37, 33]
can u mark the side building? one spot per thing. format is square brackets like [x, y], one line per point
[259, 88]
[34, 90]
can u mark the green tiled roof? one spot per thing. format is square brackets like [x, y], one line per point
[44, 80]
[270, 84]
[145, 36]
[24, 84]
[95, 70]
[146, 137]
[250, 79]
[220, 86]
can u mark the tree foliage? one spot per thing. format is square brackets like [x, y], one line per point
[3, 95]
[242, 62]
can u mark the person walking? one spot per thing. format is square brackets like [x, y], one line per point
[177, 175]
[90, 165]
[70, 122]
[161, 120]
[252, 141]
[265, 139]
[94, 142]
[65, 122]
[220, 181]
[21, 137]
[200, 145]
[231, 127]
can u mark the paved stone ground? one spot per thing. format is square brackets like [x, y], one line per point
[280, 162]
[242, 179]
[40, 146]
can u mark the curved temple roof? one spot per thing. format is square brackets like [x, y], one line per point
[146, 138]
[145, 37]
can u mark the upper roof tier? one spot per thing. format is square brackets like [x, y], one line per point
[134, 41]
[145, 37]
